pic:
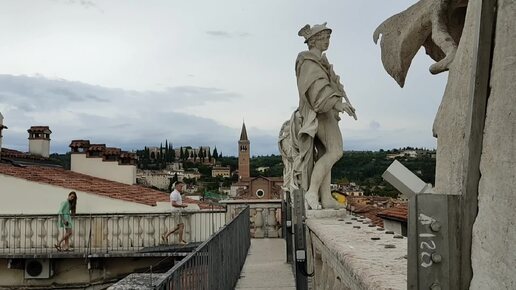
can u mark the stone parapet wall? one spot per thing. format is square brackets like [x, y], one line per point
[265, 216]
[343, 256]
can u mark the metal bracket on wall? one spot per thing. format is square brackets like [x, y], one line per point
[433, 245]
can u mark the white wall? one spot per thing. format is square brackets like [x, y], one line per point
[390, 225]
[110, 170]
[39, 147]
[20, 196]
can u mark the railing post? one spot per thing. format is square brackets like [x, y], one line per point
[286, 216]
[89, 236]
[300, 240]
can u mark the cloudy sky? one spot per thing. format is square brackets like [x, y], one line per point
[131, 73]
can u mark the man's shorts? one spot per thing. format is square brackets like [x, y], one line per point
[177, 216]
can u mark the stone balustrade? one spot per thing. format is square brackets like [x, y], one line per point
[102, 233]
[265, 216]
[348, 252]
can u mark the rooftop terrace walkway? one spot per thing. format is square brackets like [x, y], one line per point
[266, 267]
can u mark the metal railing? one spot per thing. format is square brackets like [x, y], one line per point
[216, 264]
[103, 233]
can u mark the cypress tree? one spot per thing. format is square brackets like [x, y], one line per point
[215, 153]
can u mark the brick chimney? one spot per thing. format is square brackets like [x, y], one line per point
[39, 140]
[104, 162]
[1, 128]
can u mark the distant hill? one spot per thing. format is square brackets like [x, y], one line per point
[365, 168]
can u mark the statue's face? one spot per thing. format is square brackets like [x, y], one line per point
[323, 40]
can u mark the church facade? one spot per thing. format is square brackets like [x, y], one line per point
[248, 187]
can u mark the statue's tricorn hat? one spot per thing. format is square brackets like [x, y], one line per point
[307, 32]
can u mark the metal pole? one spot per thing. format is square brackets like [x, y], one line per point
[287, 225]
[300, 240]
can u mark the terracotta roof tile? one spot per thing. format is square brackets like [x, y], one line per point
[39, 129]
[112, 151]
[10, 153]
[86, 183]
[369, 212]
[97, 147]
[80, 143]
[399, 213]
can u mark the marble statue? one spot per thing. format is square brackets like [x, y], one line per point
[312, 133]
[285, 149]
[448, 30]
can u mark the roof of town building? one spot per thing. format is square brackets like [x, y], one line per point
[24, 158]
[398, 213]
[246, 180]
[81, 182]
[10, 153]
[370, 212]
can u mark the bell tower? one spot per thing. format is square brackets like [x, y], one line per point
[244, 154]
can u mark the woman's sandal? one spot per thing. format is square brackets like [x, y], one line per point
[58, 248]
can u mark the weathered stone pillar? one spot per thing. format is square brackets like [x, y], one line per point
[258, 224]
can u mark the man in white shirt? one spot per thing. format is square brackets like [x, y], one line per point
[176, 201]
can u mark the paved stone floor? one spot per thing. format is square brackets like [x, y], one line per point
[266, 267]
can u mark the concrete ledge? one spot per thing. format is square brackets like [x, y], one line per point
[140, 281]
[325, 213]
[345, 257]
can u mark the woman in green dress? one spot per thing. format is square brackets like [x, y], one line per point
[66, 211]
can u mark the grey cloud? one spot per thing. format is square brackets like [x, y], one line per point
[83, 3]
[226, 34]
[95, 98]
[74, 96]
[374, 125]
[86, 3]
[26, 93]
[30, 93]
[126, 119]
[218, 33]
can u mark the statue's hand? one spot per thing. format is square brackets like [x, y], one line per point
[346, 107]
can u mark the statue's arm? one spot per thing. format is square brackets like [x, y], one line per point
[321, 95]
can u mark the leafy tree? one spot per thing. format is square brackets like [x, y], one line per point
[342, 181]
